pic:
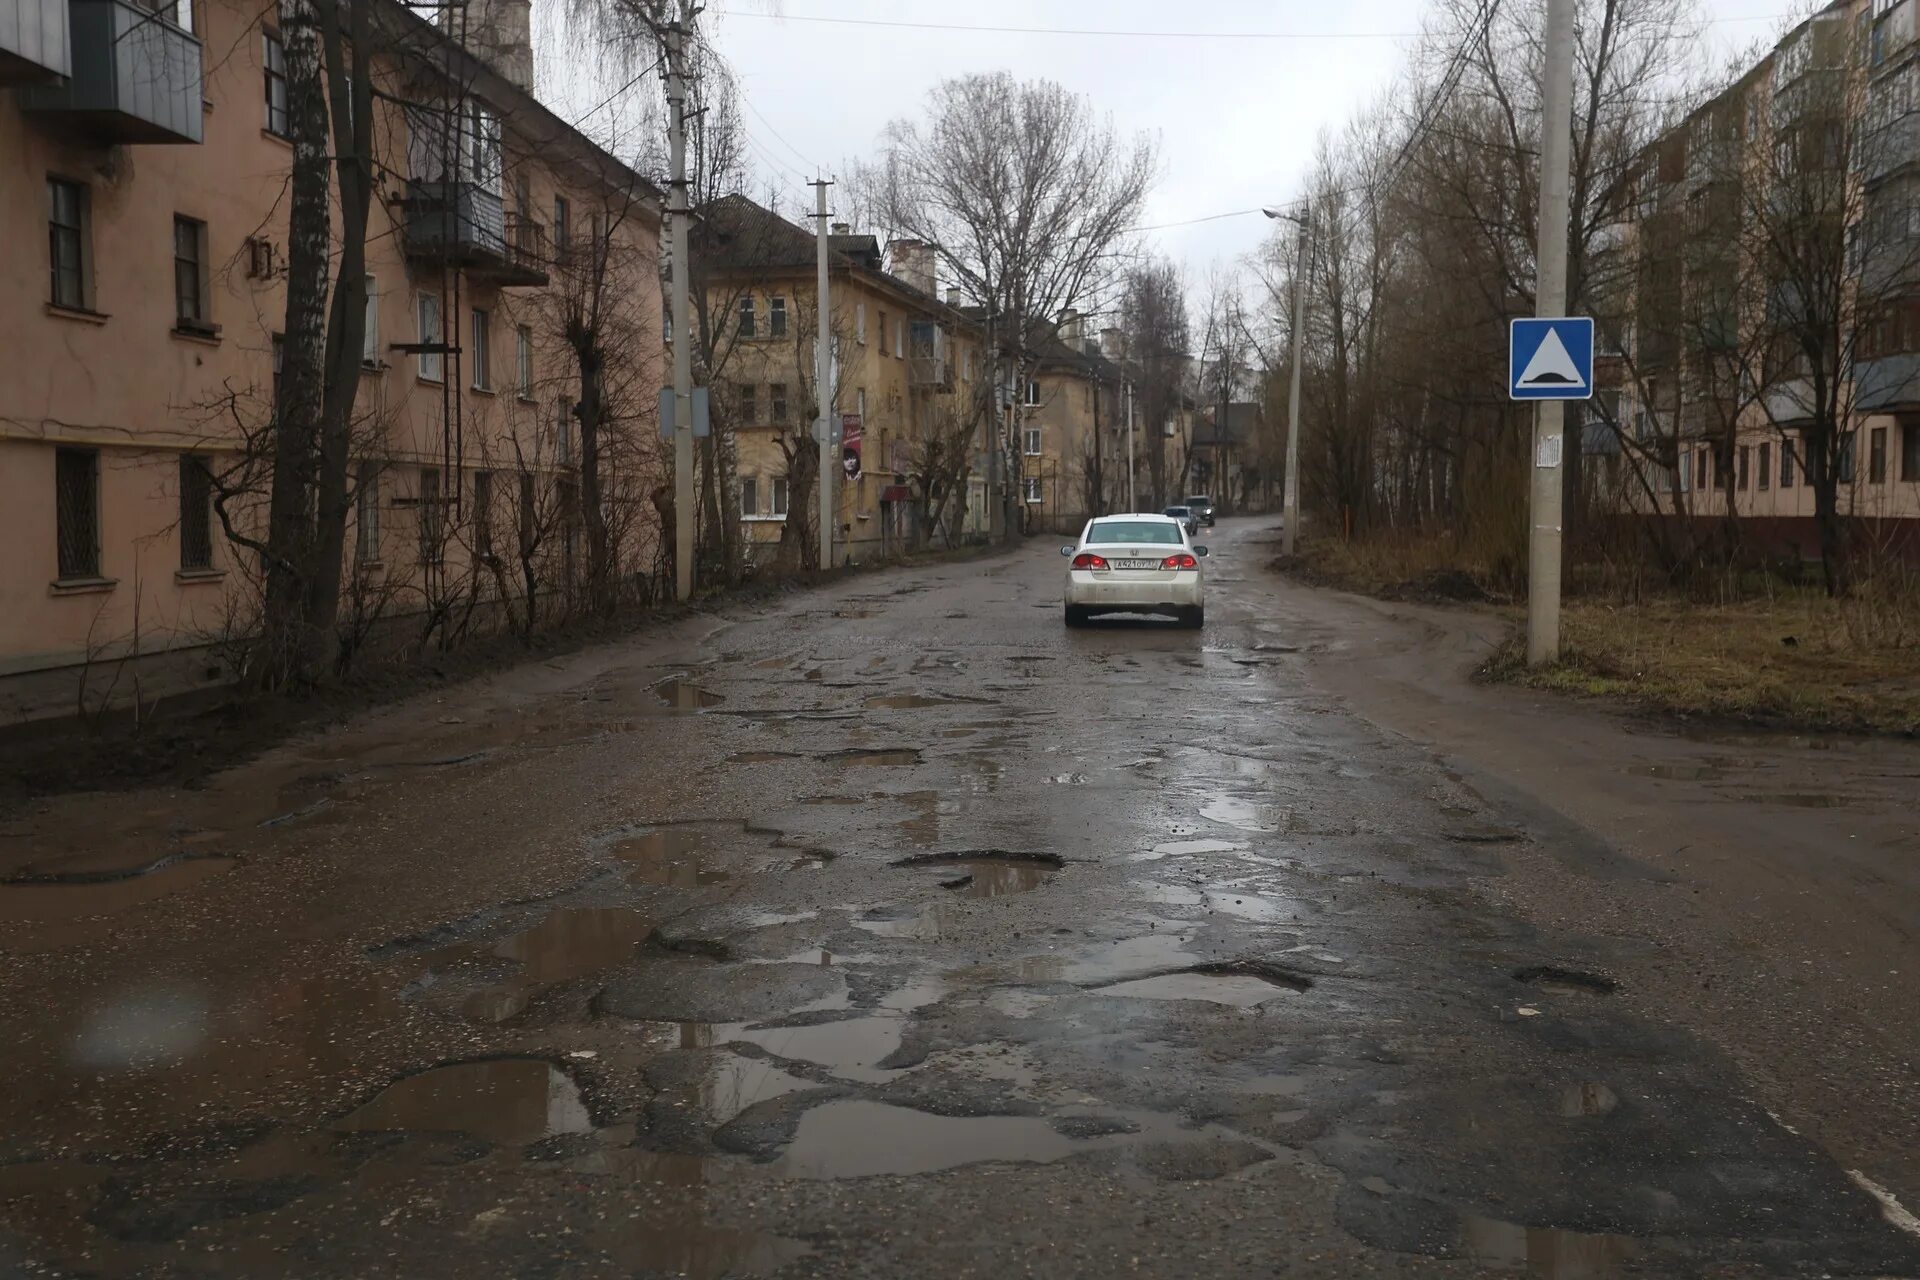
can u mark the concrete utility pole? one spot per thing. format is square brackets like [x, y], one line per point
[1290, 501]
[1127, 390]
[823, 374]
[680, 281]
[1550, 300]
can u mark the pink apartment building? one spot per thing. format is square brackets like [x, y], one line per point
[143, 184]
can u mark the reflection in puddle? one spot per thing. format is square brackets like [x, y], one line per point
[1798, 800]
[761, 757]
[1587, 1100]
[677, 693]
[1677, 772]
[929, 925]
[907, 702]
[509, 1100]
[1242, 815]
[898, 758]
[573, 943]
[994, 877]
[738, 1083]
[1546, 1252]
[1241, 990]
[1183, 848]
[853, 1139]
[45, 900]
[849, 1047]
[675, 857]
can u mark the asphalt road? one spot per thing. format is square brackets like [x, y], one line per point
[891, 930]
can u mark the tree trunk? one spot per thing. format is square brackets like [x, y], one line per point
[799, 540]
[298, 401]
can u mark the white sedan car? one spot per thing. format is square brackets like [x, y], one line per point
[1135, 564]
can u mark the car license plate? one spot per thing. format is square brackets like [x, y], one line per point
[1136, 564]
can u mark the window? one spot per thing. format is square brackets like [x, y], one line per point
[523, 360]
[1910, 451]
[746, 317]
[1032, 396]
[1030, 488]
[431, 356]
[900, 339]
[482, 350]
[747, 402]
[274, 59]
[563, 432]
[749, 495]
[67, 242]
[178, 12]
[1763, 468]
[779, 496]
[366, 505]
[429, 516]
[1743, 469]
[860, 404]
[529, 514]
[189, 272]
[483, 514]
[1699, 468]
[966, 367]
[76, 479]
[777, 318]
[196, 514]
[1786, 462]
[1847, 450]
[370, 337]
[860, 323]
[1033, 442]
[777, 402]
[1877, 456]
[562, 226]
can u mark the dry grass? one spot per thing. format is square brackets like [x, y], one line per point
[1398, 567]
[1794, 660]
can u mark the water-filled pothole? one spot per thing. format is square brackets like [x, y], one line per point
[680, 857]
[1799, 799]
[1187, 848]
[512, 1101]
[761, 757]
[1677, 772]
[1242, 985]
[896, 757]
[1566, 981]
[1548, 1252]
[1587, 1100]
[907, 702]
[989, 873]
[677, 693]
[68, 896]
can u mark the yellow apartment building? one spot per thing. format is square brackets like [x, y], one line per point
[145, 193]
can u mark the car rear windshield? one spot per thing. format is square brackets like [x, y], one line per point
[1176, 511]
[1133, 531]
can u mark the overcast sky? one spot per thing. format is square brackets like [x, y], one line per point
[1235, 110]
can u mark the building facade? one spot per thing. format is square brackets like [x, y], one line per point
[146, 186]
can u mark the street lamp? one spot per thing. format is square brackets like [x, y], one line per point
[1290, 504]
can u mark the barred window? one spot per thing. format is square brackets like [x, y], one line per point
[367, 514]
[196, 513]
[77, 511]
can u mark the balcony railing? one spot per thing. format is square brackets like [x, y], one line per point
[135, 77]
[462, 224]
[1887, 384]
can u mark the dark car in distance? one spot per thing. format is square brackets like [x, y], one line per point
[1185, 515]
[1202, 507]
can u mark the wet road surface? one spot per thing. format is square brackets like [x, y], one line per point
[888, 930]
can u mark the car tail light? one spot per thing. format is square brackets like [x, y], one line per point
[1182, 561]
[1087, 560]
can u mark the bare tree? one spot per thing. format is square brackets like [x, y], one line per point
[1155, 312]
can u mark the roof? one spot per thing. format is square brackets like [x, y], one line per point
[733, 235]
[1244, 418]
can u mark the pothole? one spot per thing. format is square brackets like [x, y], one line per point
[576, 942]
[74, 895]
[1240, 984]
[1544, 1251]
[677, 693]
[1587, 1100]
[989, 873]
[761, 757]
[907, 702]
[511, 1101]
[1677, 772]
[1188, 848]
[1549, 977]
[1799, 800]
[859, 1139]
[673, 857]
[856, 758]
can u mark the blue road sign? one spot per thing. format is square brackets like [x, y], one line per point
[1550, 359]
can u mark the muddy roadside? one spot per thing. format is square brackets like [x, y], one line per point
[1784, 920]
[185, 744]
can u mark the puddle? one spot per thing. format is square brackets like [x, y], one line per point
[1798, 800]
[81, 894]
[1245, 906]
[857, 614]
[1587, 1100]
[512, 1101]
[929, 925]
[848, 1048]
[761, 757]
[854, 1139]
[1242, 815]
[677, 693]
[1677, 772]
[1116, 961]
[1547, 1252]
[1067, 780]
[991, 878]
[1240, 990]
[907, 702]
[1566, 981]
[671, 857]
[856, 759]
[576, 942]
[738, 1083]
[1185, 848]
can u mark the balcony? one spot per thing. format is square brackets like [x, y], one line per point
[1892, 37]
[462, 224]
[33, 41]
[1888, 384]
[1790, 402]
[135, 78]
[928, 367]
[1890, 265]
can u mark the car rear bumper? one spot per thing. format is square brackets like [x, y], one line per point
[1087, 589]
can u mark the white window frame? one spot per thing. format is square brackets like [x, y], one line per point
[523, 360]
[370, 342]
[749, 497]
[779, 498]
[746, 311]
[427, 320]
[481, 324]
[1030, 486]
[860, 323]
[366, 503]
[900, 339]
[776, 317]
[1031, 396]
[1032, 442]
